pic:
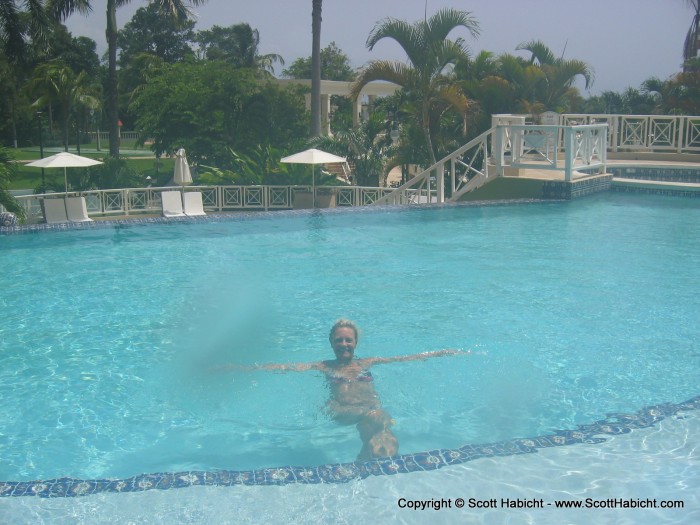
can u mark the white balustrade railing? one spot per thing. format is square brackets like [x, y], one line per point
[519, 146]
[104, 135]
[550, 147]
[662, 133]
[468, 167]
[139, 201]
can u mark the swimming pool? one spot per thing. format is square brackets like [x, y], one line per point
[572, 311]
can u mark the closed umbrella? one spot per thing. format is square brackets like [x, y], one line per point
[313, 156]
[64, 160]
[182, 176]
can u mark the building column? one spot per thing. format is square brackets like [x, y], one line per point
[356, 111]
[325, 115]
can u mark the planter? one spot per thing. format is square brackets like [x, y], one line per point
[304, 200]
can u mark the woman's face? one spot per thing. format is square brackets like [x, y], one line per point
[343, 343]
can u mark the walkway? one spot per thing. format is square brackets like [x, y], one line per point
[687, 179]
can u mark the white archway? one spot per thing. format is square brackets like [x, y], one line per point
[341, 88]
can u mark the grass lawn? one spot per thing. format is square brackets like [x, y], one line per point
[142, 160]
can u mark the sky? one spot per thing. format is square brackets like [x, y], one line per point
[624, 41]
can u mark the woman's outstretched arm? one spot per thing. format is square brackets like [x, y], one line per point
[369, 361]
[275, 367]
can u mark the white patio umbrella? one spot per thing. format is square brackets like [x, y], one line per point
[182, 175]
[64, 160]
[313, 156]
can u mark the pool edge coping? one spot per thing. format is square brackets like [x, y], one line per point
[212, 217]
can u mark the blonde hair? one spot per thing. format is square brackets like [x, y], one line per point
[343, 323]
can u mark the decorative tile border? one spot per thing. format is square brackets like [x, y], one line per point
[657, 173]
[666, 175]
[613, 424]
[243, 216]
[553, 189]
[668, 192]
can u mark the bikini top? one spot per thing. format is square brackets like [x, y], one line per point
[363, 375]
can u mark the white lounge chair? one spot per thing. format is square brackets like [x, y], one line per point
[193, 204]
[172, 204]
[76, 209]
[55, 211]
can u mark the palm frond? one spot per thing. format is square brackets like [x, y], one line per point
[540, 52]
[396, 72]
[62, 9]
[690, 45]
[445, 53]
[442, 23]
[406, 35]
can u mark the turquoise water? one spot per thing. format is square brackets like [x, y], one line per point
[110, 339]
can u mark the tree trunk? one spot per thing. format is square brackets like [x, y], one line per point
[13, 109]
[426, 132]
[316, 68]
[64, 132]
[112, 86]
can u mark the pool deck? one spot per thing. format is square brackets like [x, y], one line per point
[644, 184]
[591, 183]
[544, 174]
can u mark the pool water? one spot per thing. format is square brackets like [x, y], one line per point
[112, 340]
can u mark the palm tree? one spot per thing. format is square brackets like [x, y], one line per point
[316, 6]
[430, 56]
[557, 75]
[690, 46]
[8, 168]
[58, 85]
[367, 147]
[14, 30]
[238, 44]
[179, 9]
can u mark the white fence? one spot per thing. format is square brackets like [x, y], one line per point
[104, 135]
[557, 148]
[140, 201]
[662, 133]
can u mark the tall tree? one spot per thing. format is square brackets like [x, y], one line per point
[150, 32]
[208, 107]
[431, 55]
[316, 67]
[61, 87]
[12, 77]
[238, 45]
[8, 168]
[18, 120]
[335, 65]
[145, 43]
[178, 9]
[13, 30]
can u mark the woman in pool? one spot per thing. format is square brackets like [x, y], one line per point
[353, 399]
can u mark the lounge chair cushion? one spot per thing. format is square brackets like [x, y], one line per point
[193, 204]
[172, 204]
[76, 209]
[55, 211]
